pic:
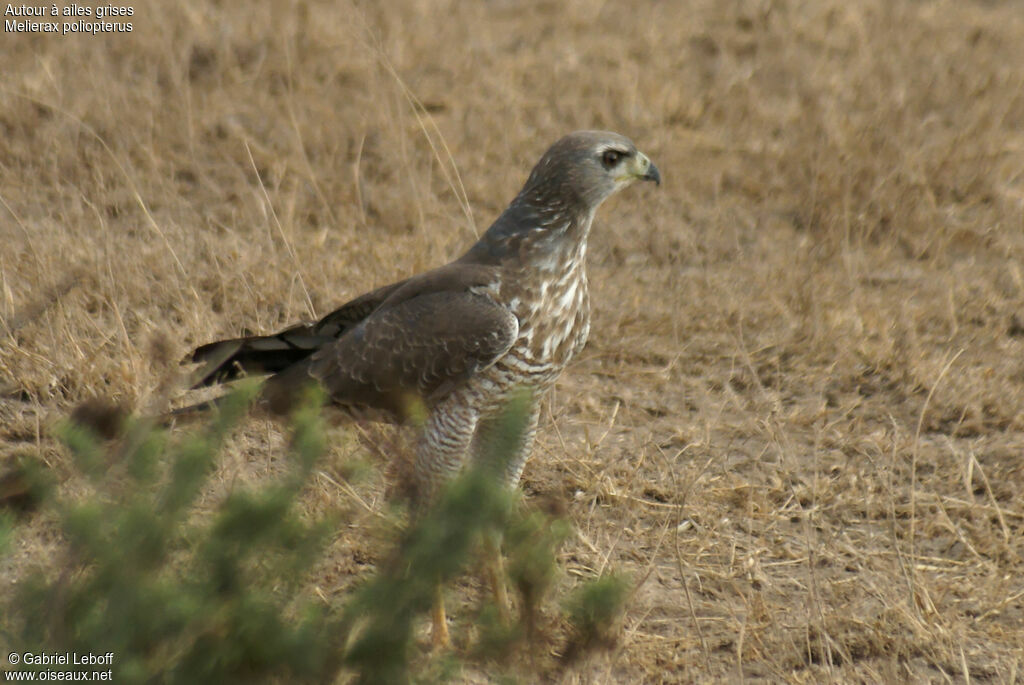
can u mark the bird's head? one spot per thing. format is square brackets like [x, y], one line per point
[557, 204]
[587, 167]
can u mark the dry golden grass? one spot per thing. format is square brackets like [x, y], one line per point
[799, 421]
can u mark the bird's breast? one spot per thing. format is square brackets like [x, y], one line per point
[554, 318]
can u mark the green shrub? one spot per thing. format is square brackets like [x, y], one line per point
[179, 598]
[223, 597]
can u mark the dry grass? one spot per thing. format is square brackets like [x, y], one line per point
[799, 420]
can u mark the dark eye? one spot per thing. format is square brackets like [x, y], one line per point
[610, 158]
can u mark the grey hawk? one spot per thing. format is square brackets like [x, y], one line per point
[456, 341]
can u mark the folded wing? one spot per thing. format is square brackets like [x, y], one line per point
[406, 354]
[226, 360]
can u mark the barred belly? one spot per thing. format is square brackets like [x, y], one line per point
[551, 301]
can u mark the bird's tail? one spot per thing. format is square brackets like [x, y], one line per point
[226, 360]
[278, 395]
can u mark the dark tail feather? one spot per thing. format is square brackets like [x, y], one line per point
[279, 395]
[227, 360]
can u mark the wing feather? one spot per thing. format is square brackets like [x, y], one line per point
[225, 360]
[415, 350]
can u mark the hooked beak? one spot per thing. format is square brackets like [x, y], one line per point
[647, 170]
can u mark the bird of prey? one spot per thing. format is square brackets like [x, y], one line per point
[451, 345]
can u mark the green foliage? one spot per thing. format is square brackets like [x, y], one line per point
[433, 551]
[6, 529]
[594, 610]
[532, 540]
[181, 596]
[496, 640]
[177, 600]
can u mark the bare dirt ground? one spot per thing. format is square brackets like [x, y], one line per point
[798, 423]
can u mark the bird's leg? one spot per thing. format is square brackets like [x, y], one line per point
[492, 450]
[442, 446]
[496, 574]
[444, 439]
[439, 638]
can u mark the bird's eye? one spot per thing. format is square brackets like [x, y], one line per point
[610, 158]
